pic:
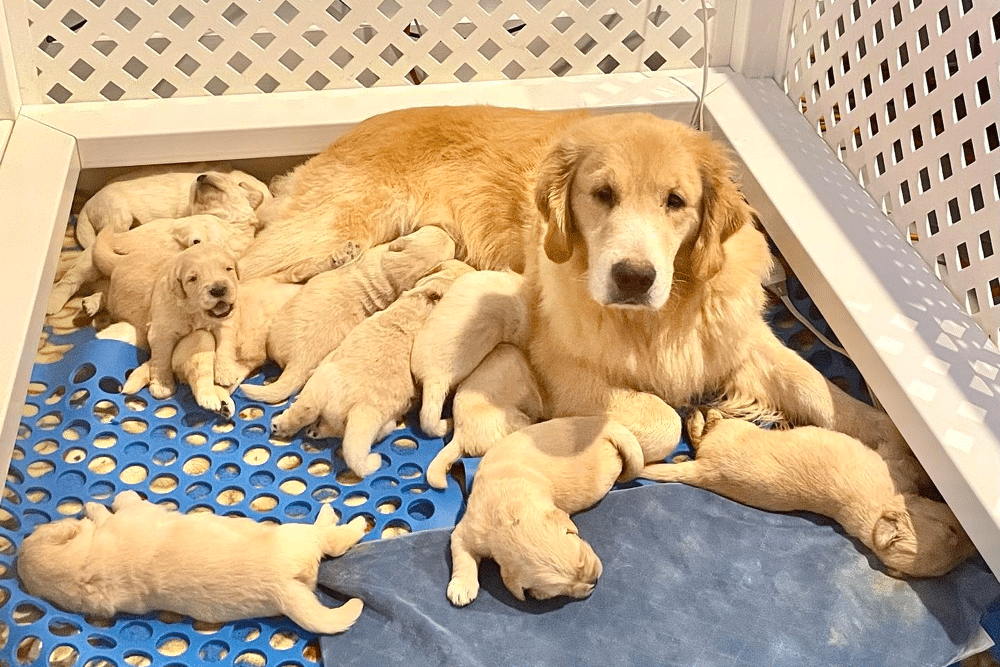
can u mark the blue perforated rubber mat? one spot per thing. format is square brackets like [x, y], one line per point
[81, 440]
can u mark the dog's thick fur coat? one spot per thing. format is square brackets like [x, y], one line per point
[518, 513]
[825, 472]
[362, 388]
[316, 320]
[145, 557]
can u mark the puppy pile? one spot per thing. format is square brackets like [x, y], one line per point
[597, 273]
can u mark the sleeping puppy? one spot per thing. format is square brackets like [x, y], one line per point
[828, 473]
[151, 193]
[316, 320]
[498, 398]
[239, 346]
[196, 290]
[362, 388]
[145, 557]
[218, 194]
[524, 490]
[481, 310]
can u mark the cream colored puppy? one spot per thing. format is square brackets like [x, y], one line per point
[151, 193]
[193, 363]
[499, 397]
[145, 557]
[196, 290]
[525, 488]
[218, 194]
[239, 346]
[364, 386]
[825, 472]
[481, 310]
[317, 319]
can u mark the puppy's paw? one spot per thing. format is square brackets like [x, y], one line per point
[227, 408]
[124, 499]
[209, 402]
[92, 303]
[696, 426]
[712, 419]
[371, 464]
[461, 592]
[439, 429]
[227, 374]
[359, 526]
[161, 390]
[347, 252]
[280, 426]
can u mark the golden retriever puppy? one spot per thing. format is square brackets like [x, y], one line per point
[524, 490]
[481, 310]
[316, 320]
[499, 397]
[825, 472]
[219, 194]
[468, 170]
[193, 363]
[151, 193]
[196, 290]
[145, 557]
[362, 388]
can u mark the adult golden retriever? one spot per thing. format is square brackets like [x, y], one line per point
[642, 267]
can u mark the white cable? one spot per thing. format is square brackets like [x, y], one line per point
[698, 118]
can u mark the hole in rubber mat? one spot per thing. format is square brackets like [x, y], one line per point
[421, 510]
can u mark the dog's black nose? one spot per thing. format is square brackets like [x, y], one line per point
[633, 279]
[218, 291]
[202, 177]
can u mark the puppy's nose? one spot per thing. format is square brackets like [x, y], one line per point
[218, 290]
[202, 177]
[633, 279]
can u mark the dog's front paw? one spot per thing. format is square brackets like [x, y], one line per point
[124, 499]
[160, 390]
[227, 374]
[696, 426]
[280, 426]
[92, 303]
[461, 592]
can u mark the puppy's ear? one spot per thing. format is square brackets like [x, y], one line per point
[561, 519]
[723, 212]
[555, 177]
[892, 529]
[63, 531]
[177, 281]
[254, 196]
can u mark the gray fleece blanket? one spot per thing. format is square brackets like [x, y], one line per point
[690, 579]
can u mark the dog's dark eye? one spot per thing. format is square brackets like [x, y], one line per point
[191, 279]
[606, 195]
[229, 268]
[675, 201]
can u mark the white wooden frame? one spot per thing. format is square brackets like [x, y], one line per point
[929, 364]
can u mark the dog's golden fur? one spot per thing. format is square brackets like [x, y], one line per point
[362, 388]
[832, 474]
[518, 513]
[566, 197]
[145, 557]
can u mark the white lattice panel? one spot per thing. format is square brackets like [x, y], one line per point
[907, 93]
[96, 50]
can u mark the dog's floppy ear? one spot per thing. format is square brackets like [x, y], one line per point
[555, 177]
[254, 196]
[62, 532]
[890, 529]
[177, 280]
[723, 212]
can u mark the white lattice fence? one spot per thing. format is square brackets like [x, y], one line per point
[907, 94]
[132, 49]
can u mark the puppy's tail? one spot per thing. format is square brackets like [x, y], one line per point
[85, 232]
[105, 256]
[291, 380]
[138, 380]
[300, 604]
[685, 472]
[435, 392]
[629, 450]
[437, 471]
[360, 430]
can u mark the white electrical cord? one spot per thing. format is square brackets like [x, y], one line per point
[698, 119]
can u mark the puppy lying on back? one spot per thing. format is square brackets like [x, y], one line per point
[214, 193]
[151, 193]
[364, 386]
[204, 363]
[828, 473]
[196, 290]
[145, 557]
[524, 490]
[481, 310]
[499, 397]
[316, 320]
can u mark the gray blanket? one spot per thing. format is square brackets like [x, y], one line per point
[690, 579]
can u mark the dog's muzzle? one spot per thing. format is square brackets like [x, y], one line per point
[631, 282]
[221, 310]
